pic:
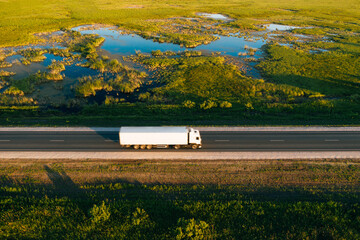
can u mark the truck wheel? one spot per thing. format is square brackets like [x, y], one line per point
[143, 146]
[194, 146]
[136, 146]
[148, 147]
[177, 146]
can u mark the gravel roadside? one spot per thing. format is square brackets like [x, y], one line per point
[181, 155]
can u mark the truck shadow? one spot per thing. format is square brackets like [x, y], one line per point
[109, 135]
[114, 191]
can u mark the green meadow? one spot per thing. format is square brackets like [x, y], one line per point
[118, 199]
[20, 18]
[302, 82]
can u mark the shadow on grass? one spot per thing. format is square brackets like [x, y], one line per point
[331, 86]
[114, 190]
[164, 203]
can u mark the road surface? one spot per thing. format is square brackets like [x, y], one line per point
[213, 141]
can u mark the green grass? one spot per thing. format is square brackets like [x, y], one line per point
[19, 18]
[333, 74]
[114, 199]
[299, 86]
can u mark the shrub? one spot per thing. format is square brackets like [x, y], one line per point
[6, 73]
[188, 53]
[225, 104]
[207, 104]
[192, 229]
[249, 105]
[114, 66]
[56, 67]
[157, 53]
[188, 104]
[32, 55]
[144, 96]
[110, 100]
[169, 53]
[13, 91]
[88, 86]
[100, 214]
[140, 217]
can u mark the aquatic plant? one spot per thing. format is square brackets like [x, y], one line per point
[88, 86]
[32, 55]
[6, 73]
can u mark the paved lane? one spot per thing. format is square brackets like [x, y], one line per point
[219, 141]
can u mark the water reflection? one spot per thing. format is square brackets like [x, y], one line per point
[127, 44]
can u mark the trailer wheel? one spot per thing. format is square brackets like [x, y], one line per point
[136, 146]
[177, 146]
[143, 146]
[194, 146]
[149, 147]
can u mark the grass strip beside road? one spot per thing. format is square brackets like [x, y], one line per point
[278, 199]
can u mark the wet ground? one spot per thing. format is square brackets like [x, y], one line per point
[118, 44]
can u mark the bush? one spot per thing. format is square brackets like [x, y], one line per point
[225, 104]
[100, 214]
[208, 104]
[6, 73]
[188, 104]
[157, 53]
[13, 91]
[144, 96]
[140, 217]
[110, 100]
[88, 86]
[192, 229]
[188, 53]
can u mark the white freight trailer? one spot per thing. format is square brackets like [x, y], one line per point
[161, 137]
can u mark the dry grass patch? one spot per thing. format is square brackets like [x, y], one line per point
[261, 173]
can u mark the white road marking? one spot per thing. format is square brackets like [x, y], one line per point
[4, 140]
[56, 140]
[331, 140]
[222, 140]
[277, 140]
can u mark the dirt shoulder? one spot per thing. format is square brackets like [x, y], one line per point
[325, 173]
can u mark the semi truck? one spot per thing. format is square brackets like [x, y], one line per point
[159, 137]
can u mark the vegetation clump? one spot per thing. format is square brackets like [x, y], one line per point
[55, 69]
[126, 83]
[32, 55]
[84, 44]
[6, 73]
[210, 82]
[4, 64]
[13, 97]
[88, 86]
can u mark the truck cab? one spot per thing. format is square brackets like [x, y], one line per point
[194, 138]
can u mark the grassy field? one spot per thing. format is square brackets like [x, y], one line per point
[304, 83]
[115, 199]
[20, 18]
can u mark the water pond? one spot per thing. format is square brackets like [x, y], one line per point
[127, 44]
[118, 44]
[214, 16]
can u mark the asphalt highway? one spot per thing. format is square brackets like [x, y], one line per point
[231, 141]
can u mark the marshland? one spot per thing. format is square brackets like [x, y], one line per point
[223, 63]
